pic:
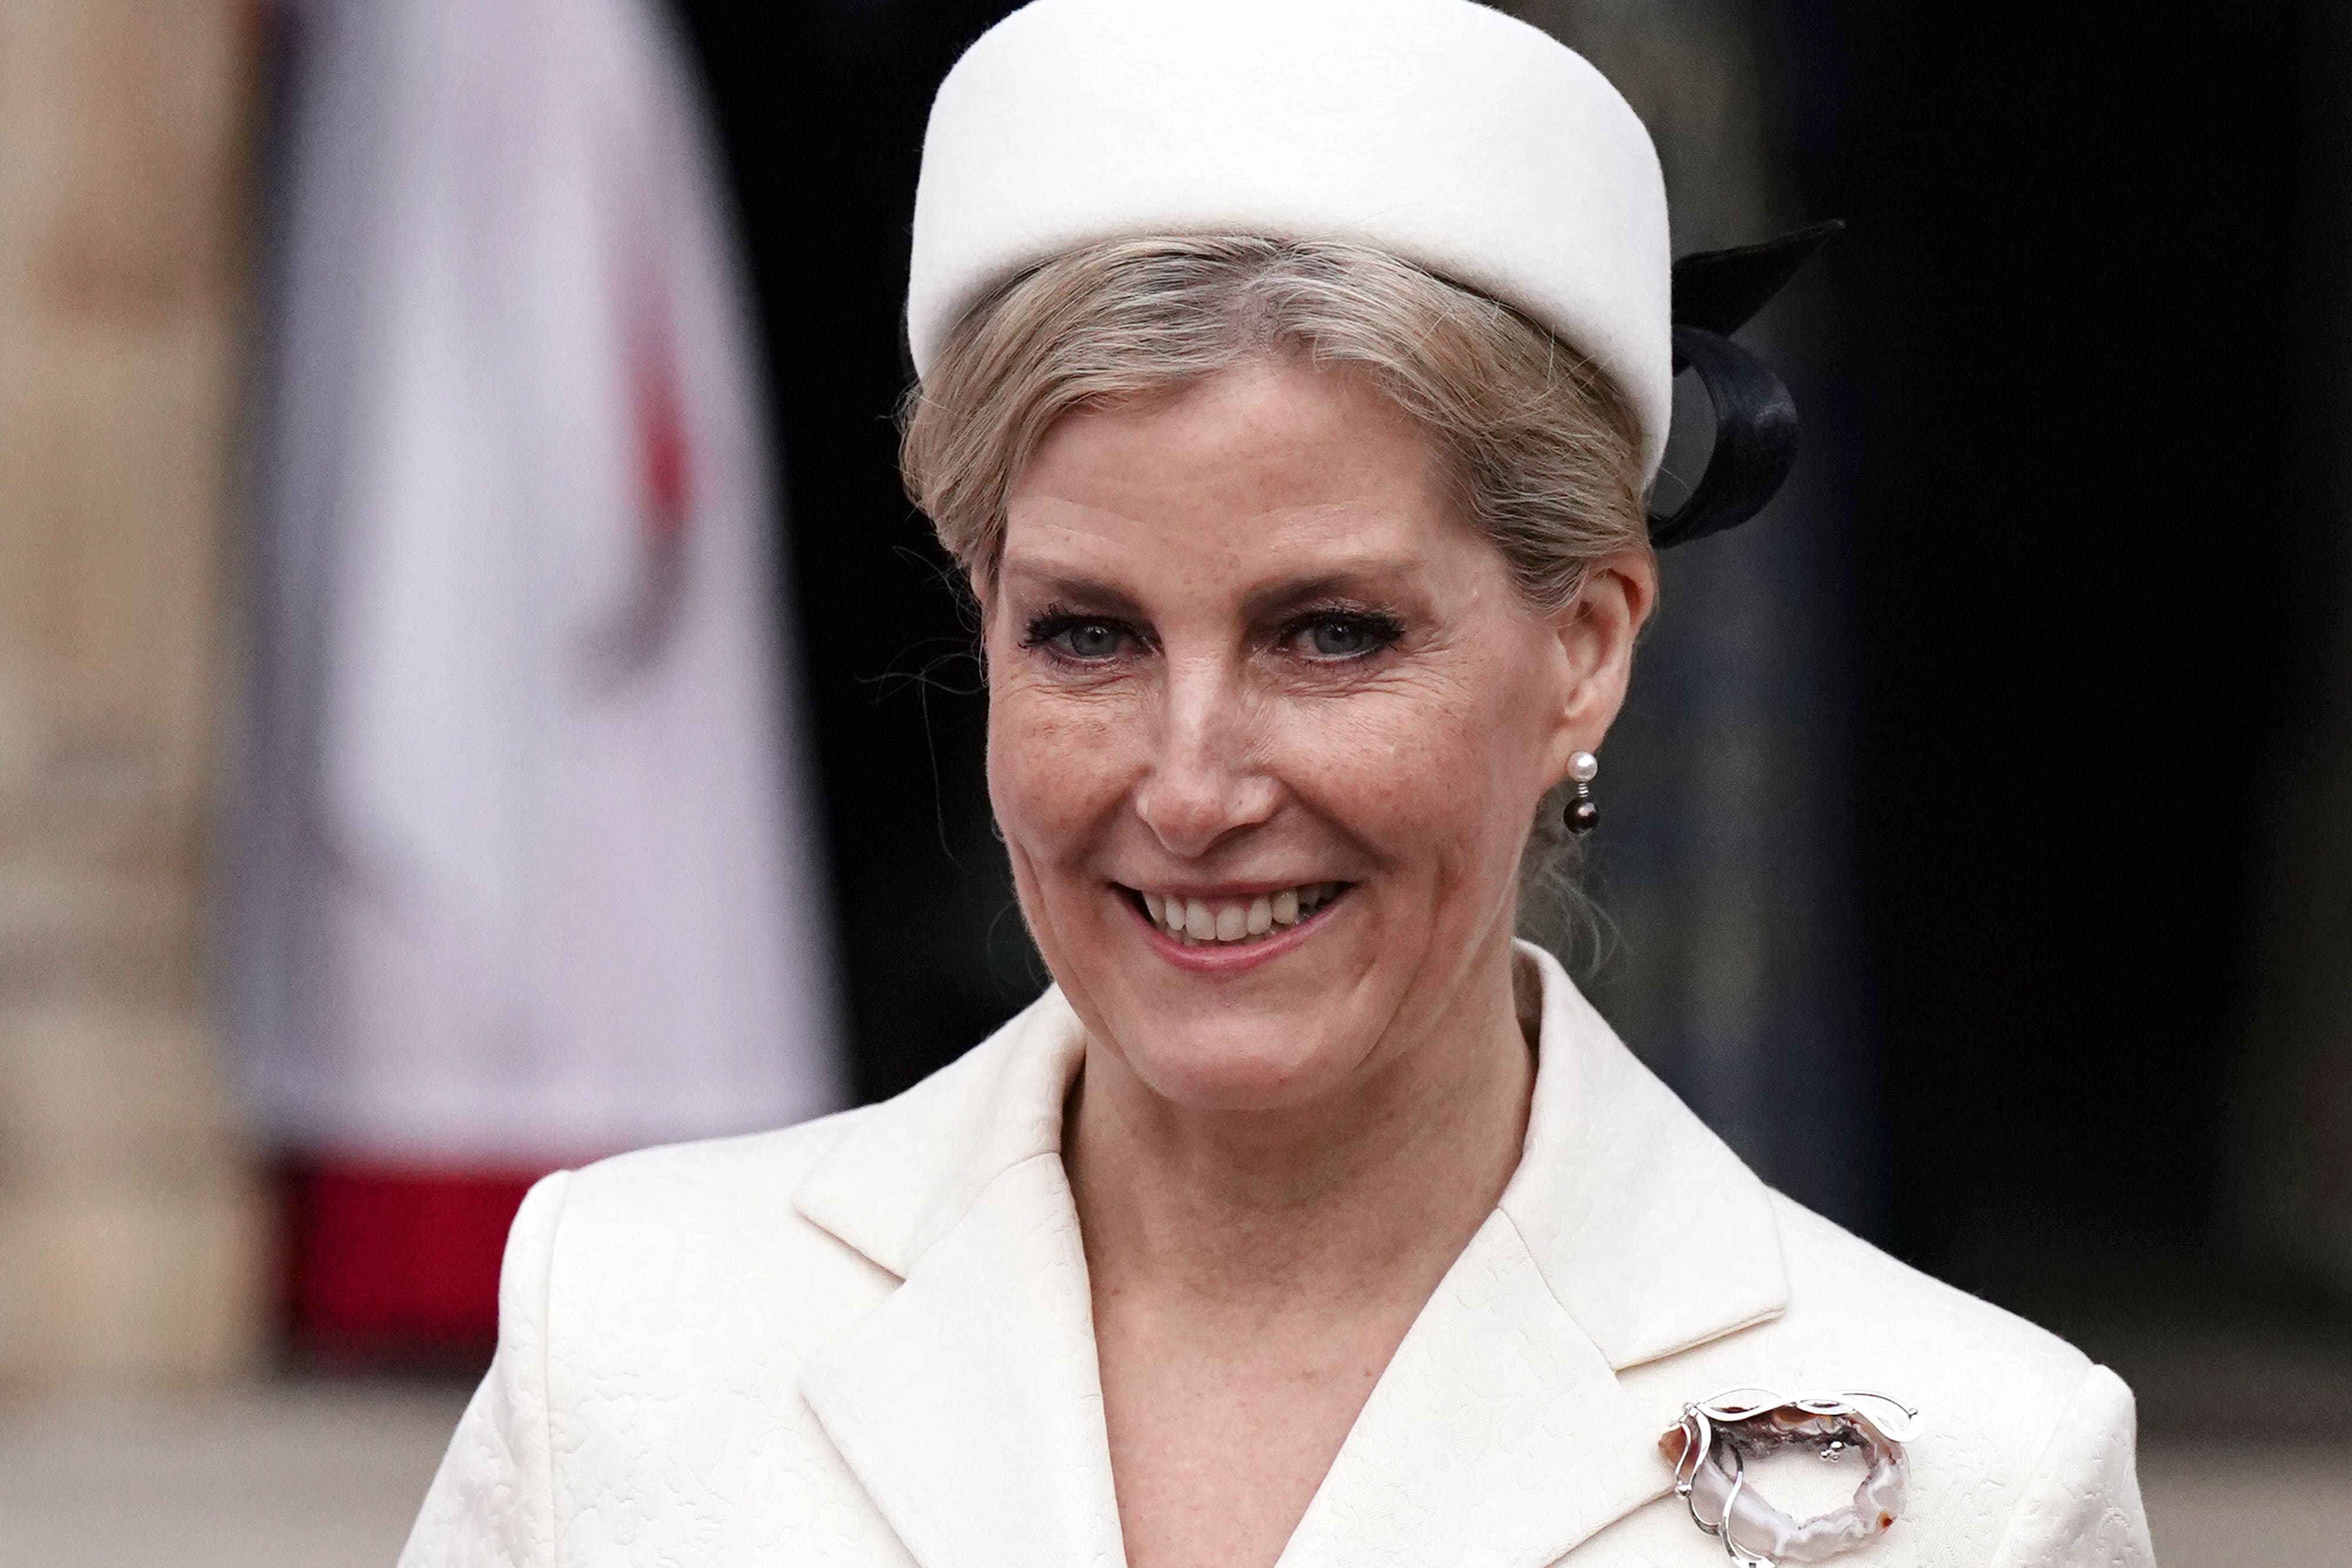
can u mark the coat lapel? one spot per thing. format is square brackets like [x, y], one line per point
[1653, 1236]
[969, 1405]
[1499, 1437]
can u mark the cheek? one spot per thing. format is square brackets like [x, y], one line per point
[1057, 770]
[1437, 777]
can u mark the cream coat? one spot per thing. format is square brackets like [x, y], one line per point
[866, 1340]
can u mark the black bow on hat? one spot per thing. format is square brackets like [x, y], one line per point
[1716, 292]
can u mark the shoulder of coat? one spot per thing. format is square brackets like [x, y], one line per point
[1839, 1283]
[714, 1207]
[1993, 1390]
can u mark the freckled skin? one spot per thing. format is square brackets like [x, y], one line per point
[1193, 683]
[1216, 757]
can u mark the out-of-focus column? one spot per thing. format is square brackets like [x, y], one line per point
[131, 1228]
[2288, 1182]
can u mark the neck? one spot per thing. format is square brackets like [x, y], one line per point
[1371, 1190]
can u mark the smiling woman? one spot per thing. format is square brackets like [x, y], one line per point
[1245, 643]
[1289, 408]
[1528, 442]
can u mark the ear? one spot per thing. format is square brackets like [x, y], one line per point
[1597, 631]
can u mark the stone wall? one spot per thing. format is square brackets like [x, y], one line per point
[131, 1244]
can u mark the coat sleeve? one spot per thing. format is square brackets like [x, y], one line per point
[492, 1503]
[2081, 1510]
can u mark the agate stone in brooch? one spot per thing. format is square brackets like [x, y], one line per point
[1711, 1444]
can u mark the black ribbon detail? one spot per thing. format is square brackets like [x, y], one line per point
[1716, 292]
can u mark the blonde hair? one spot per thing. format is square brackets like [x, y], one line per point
[1543, 451]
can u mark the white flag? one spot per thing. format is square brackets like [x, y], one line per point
[524, 868]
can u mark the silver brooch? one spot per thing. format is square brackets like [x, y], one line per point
[1711, 1444]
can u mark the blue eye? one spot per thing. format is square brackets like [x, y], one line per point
[1345, 636]
[1089, 640]
[1077, 638]
[1340, 639]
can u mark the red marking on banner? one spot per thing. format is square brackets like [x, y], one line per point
[665, 457]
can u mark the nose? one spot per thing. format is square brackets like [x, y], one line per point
[1207, 780]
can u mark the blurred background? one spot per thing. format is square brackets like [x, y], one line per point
[473, 698]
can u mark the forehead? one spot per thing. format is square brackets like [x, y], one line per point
[1273, 467]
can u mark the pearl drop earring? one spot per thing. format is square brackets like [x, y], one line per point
[1582, 816]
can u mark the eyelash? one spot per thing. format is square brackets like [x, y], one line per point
[1056, 622]
[1383, 631]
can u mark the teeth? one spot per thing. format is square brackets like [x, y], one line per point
[1196, 922]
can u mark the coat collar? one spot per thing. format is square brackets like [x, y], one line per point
[969, 1403]
[1653, 1233]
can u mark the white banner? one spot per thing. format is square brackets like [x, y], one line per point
[524, 865]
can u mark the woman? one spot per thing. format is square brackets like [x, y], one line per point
[1292, 373]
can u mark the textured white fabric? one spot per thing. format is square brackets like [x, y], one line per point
[2083, 1505]
[1448, 133]
[867, 1340]
[524, 866]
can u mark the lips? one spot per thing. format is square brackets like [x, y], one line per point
[1236, 922]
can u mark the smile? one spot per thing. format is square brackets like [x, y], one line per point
[1235, 922]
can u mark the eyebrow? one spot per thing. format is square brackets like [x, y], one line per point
[1095, 593]
[1089, 592]
[1345, 582]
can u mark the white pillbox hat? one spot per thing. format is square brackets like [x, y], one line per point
[1457, 138]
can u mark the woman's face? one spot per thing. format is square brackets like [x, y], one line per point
[1268, 722]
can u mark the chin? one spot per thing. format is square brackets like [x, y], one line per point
[1218, 1062]
[1242, 1027]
